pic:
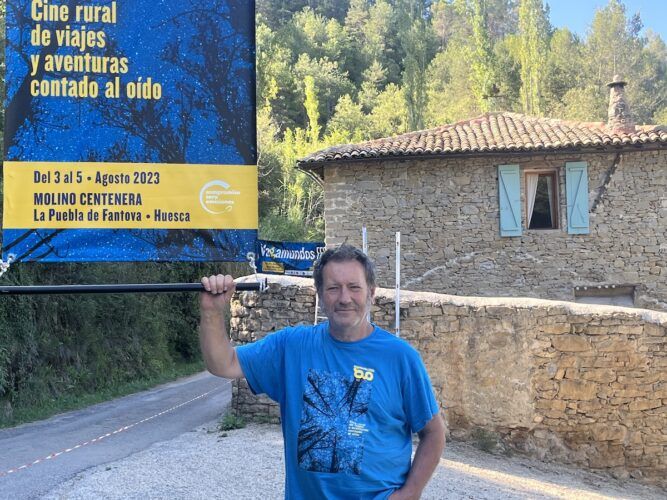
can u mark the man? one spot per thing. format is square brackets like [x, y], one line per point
[350, 393]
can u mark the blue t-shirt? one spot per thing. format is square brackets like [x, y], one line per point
[348, 409]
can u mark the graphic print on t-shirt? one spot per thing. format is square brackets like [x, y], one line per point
[333, 422]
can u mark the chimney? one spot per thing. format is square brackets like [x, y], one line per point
[618, 115]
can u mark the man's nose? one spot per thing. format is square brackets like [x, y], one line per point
[345, 296]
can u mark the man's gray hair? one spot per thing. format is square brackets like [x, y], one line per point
[343, 253]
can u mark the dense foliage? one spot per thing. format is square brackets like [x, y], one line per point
[55, 346]
[332, 72]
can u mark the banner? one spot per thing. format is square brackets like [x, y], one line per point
[130, 131]
[293, 259]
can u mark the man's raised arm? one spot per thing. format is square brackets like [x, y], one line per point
[219, 355]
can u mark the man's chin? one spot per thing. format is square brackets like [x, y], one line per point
[344, 319]
[345, 312]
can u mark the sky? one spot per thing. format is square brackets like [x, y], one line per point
[577, 15]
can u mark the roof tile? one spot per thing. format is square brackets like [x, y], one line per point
[493, 132]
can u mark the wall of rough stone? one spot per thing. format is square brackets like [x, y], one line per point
[569, 382]
[448, 214]
[289, 301]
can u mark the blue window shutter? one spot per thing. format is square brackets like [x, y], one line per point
[576, 184]
[509, 189]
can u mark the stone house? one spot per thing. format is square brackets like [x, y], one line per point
[506, 204]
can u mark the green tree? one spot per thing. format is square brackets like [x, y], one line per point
[273, 65]
[449, 19]
[348, 124]
[417, 46]
[418, 54]
[648, 89]
[296, 210]
[389, 116]
[374, 78]
[612, 46]
[371, 26]
[381, 40]
[533, 32]
[508, 74]
[331, 82]
[562, 72]
[279, 12]
[483, 77]
[449, 98]
[312, 110]
[356, 19]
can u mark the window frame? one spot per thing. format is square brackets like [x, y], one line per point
[554, 172]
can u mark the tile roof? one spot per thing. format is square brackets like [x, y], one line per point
[492, 133]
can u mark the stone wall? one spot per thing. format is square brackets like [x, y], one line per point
[448, 214]
[568, 382]
[289, 301]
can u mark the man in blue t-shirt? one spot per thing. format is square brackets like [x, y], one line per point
[350, 393]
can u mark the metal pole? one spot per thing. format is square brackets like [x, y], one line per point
[120, 288]
[397, 305]
[364, 247]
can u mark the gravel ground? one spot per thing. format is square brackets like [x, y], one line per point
[248, 464]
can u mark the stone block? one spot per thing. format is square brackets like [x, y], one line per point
[548, 385]
[571, 343]
[653, 450]
[577, 390]
[596, 330]
[556, 329]
[629, 393]
[615, 346]
[609, 432]
[239, 311]
[589, 407]
[569, 361]
[551, 404]
[654, 330]
[249, 299]
[645, 404]
[500, 311]
[546, 355]
[607, 459]
[602, 375]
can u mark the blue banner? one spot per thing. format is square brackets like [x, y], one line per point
[289, 258]
[130, 131]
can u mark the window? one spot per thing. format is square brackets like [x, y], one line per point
[613, 295]
[541, 199]
[541, 192]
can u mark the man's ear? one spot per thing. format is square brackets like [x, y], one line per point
[372, 291]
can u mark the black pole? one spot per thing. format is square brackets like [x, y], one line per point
[120, 288]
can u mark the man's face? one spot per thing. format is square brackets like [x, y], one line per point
[346, 297]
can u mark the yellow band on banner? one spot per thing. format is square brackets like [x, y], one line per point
[129, 196]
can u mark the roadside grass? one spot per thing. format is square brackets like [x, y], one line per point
[68, 402]
[230, 422]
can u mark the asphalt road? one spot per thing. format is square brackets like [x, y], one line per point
[36, 457]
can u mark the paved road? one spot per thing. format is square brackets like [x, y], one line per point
[125, 426]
